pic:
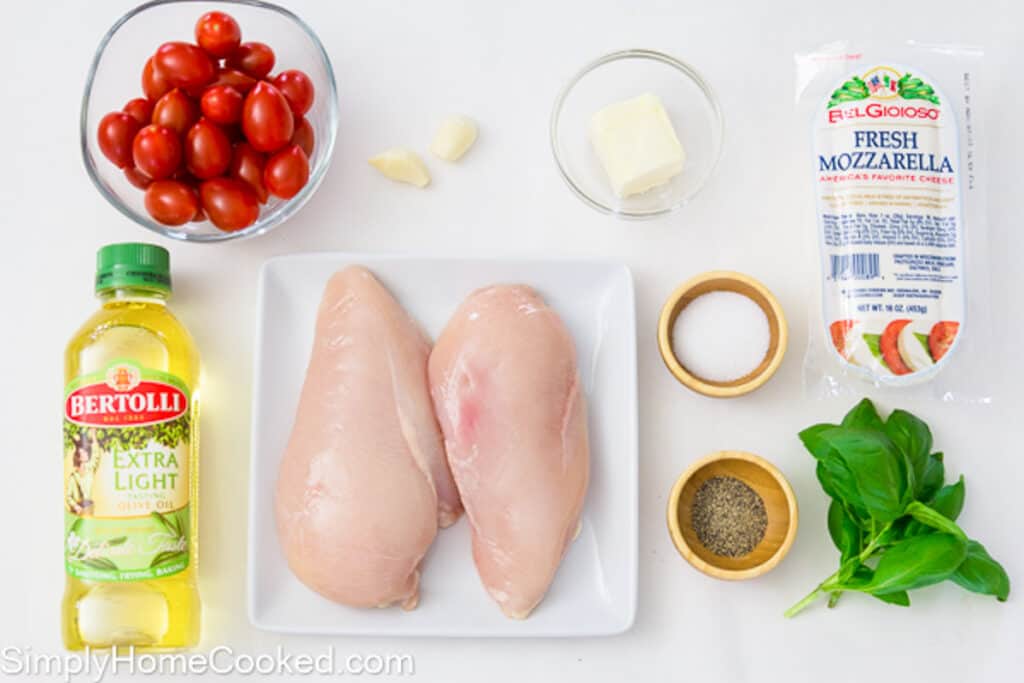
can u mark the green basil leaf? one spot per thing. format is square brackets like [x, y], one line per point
[864, 416]
[868, 469]
[932, 478]
[979, 573]
[838, 482]
[949, 501]
[912, 437]
[934, 519]
[843, 529]
[812, 440]
[873, 342]
[894, 533]
[916, 562]
[901, 598]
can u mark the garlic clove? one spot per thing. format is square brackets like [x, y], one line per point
[454, 137]
[402, 165]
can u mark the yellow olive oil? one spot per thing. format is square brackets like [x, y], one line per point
[130, 454]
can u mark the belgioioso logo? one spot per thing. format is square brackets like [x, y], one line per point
[883, 83]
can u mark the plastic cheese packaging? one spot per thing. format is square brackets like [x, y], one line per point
[897, 176]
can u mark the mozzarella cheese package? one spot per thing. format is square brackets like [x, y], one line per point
[895, 158]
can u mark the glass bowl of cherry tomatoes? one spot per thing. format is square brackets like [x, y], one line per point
[209, 121]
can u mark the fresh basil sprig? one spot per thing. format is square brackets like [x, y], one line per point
[892, 516]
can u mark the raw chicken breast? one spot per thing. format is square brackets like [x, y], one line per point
[364, 482]
[508, 397]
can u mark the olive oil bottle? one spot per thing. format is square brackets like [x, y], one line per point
[131, 443]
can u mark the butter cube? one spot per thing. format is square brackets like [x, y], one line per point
[636, 144]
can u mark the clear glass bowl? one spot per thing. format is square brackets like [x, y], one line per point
[115, 77]
[690, 103]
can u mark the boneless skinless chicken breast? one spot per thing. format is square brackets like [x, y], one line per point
[507, 394]
[364, 484]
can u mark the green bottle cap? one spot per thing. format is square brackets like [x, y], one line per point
[141, 266]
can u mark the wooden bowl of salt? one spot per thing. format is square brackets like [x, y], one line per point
[722, 334]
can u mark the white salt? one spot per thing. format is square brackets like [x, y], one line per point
[721, 336]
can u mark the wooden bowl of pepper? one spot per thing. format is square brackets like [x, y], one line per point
[732, 515]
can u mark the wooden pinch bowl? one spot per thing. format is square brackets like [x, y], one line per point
[779, 502]
[722, 280]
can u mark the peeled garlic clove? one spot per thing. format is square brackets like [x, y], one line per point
[403, 165]
[455, 136]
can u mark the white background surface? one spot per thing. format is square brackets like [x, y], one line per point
[401, 66]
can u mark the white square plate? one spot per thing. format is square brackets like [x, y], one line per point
[594, 592]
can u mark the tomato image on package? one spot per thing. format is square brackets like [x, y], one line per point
[887, 181]
[126, 433]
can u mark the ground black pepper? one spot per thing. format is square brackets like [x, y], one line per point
[728, 516]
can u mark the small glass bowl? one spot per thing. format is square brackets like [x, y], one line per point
[114, 78]
[690, 103]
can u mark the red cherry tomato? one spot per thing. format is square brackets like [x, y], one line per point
[247, 165]
[184, 65]
[254, 59]
[229, 204]
[241, 82]
[171, 202]
[139, 109]
[154, 83]
[207, 150]
[888, 344]
[222, 104]
[156, 151]
[297, 89]
[839, 329]
[941, 338]
[176, 111]
[218, 33]
[115, 135]
[267, 119]
[286, 172]
[200, 216]
[303, 136]
[137, 178]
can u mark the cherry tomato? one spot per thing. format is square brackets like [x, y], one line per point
[218, 33]
[247, 165]
[115, 135]
[200, 216]
[139, 109]
[286, 172]
[222, 104]
[156, 151]
[137, 178]
[888, 344]
[303, 136]
[176, 111]
[207, 150]
[254, 59]
[941, 337]
[241, 82]
[171, 202]
[267, 119]
[184, 65]
[839, 330]
[297, 89]
[154, 83]
[230, 204]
